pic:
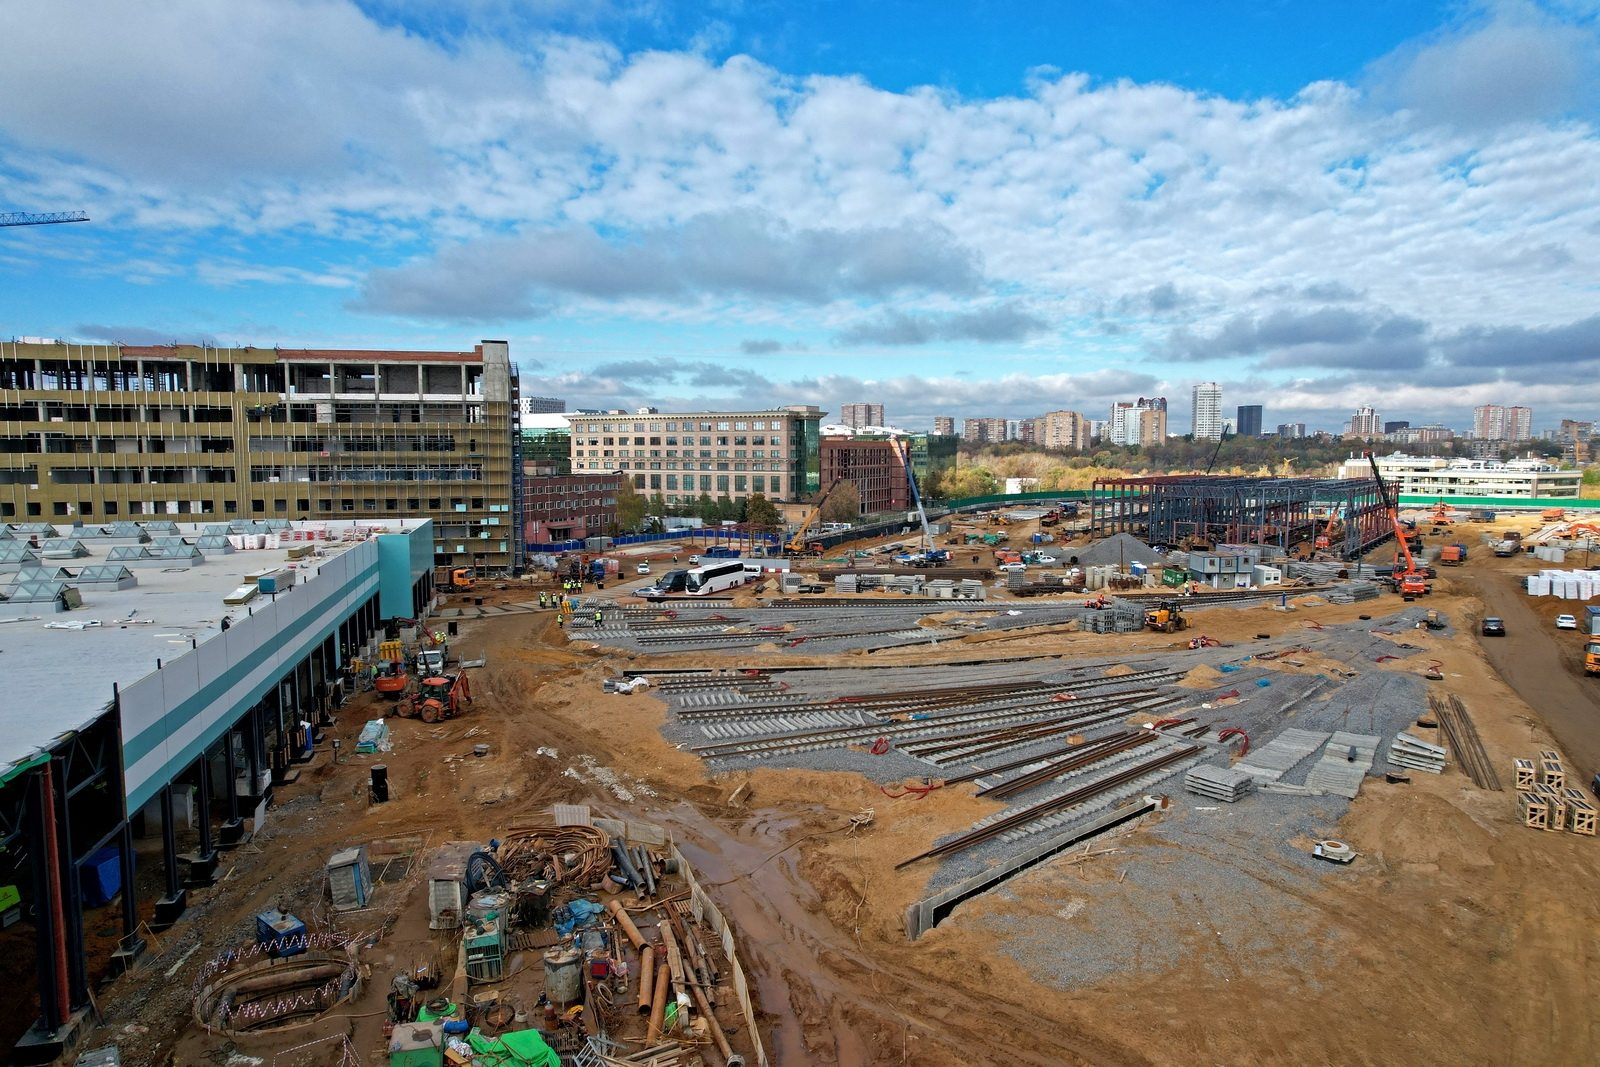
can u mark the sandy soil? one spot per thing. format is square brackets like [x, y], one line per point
[1459, 937]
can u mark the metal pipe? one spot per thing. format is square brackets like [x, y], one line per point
[626, 923]
[647, 869]
[658, 1004]
[52, 856]
[733, 1058]
[625, 865]
[647, 979]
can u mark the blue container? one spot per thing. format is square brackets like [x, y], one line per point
[283, 932]
[101, 876]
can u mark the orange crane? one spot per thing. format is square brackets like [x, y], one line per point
[1441, 514]
[1412, 581]
[1326, 539]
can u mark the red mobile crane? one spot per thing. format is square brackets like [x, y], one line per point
[1412, 581]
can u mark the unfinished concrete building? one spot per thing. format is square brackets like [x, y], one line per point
[1189, 509]
[108, 432]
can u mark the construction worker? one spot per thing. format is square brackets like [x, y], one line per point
[599, 616]
[541, 601]
[561, 622]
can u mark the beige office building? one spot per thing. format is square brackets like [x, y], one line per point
[1062, 429]
[99, 433]
[685, 455]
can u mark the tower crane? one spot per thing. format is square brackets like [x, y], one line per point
[24, 218]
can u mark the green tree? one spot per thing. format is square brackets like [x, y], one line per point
[843, 504]
[632, 506]
[729, 510]
[761, 512]
[707, 509]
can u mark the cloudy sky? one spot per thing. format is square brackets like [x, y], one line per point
[986, 208]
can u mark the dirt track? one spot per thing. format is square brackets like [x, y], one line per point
[1544, 665]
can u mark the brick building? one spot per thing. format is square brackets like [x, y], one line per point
[566, 507]
[874, 465]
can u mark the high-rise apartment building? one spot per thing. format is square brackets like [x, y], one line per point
[859, 416]
[1291, 430]
[1248, 420]
[1207, 418]
[1062, 429]
[944, 425]
[1365, 423]
[1492, 422]
[1126, 419]
[983, 431]
[736, 454]
[1151, 429]
[108, 432]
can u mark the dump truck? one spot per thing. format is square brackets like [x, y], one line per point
[1453, 555]
[1506, 548]
[1591, 657]
[1050, 518]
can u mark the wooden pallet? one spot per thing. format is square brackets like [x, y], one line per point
[1549, 753]
[1535, 812]
[1551, 773]
[1556, 804]
[1581, 812]
[1527, 777]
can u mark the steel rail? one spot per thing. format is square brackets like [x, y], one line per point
[1066, 800]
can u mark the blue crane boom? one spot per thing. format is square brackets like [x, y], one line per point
[24, 218]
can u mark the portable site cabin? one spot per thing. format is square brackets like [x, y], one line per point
[350, 878]
[447, 884]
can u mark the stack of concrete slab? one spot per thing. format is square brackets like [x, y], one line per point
[844, 583]
[1272, 760]
[1345, 762]
[1351, 592]
[1419, 755]
[1227, 784]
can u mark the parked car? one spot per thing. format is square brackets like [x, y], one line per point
[1566, 622]
[643, 568]
[1013, 567]
[694, 561]
[1493, 627]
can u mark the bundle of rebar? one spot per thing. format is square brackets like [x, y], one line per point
[1464, 741]
[562, 854]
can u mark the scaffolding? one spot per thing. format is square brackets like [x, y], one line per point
[1191, 510]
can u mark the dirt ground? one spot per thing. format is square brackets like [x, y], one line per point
[1459, 937]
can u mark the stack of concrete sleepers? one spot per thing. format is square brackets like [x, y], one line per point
[1350, 592]
[1345, 762]
[1271, 761]
[1227, 784]
[1417, 754]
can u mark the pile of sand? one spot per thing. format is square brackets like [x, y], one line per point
[1201, 676]
[1116, 670]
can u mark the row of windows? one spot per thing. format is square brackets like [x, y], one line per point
[357, 444]
[674, 427]
[672, 453]
[672, 465]
[674, 441]
[719, 483]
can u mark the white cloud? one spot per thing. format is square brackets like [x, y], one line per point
[536, 171]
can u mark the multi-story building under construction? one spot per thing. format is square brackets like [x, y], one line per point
[97, 433]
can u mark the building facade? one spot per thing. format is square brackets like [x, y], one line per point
[983, 431]
[714, 453]
[1207, 419]
[1062, 429]
[1152, 428]
[114, 432]
[1366, 422]
[1128, 424]
[1291, 430]
[540, 405]
[561, 506]
[1436, 476]
[547, 442]
[944, 425]
[860, 416]
[1492, 422]
[1248, 420]
[874, 465]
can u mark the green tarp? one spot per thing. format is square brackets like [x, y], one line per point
[520, 1048]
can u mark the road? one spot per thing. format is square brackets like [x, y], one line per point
[1545, 669]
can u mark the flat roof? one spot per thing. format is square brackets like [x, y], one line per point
[66, 665]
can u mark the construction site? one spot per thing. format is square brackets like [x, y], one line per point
[928, 798]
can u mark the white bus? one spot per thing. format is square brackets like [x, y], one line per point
[715, 577]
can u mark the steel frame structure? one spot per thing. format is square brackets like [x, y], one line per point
[1224, 509]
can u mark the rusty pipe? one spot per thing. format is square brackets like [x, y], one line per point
[647, 979]
[625, 922]
[658, 1005]
[717, 1035]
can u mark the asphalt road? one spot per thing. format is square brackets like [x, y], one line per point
[1544, 666]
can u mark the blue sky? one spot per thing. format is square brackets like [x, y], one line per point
[971, 209]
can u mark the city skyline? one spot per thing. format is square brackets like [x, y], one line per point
[884, 238]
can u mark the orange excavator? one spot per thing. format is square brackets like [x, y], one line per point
[1441, 514]
[1325, 539]
[437, 699]
[1411, 581]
